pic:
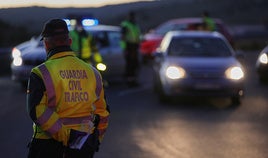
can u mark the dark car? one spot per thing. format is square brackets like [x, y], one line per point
[32, 53]
[262, 65]
[197, 63]
[151, 40]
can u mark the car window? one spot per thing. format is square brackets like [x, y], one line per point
[100, 38]
[114, 38]
[163, 29]
[177, 27]
[198, 47]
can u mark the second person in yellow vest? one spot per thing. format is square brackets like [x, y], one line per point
[84, 45]
[130, 43]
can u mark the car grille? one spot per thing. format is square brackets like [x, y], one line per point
[212, 74]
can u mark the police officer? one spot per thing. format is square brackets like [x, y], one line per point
[64, 97]
[130, 43]
[84, 45]
[209, 23]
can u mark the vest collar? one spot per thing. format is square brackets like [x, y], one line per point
[58, 52]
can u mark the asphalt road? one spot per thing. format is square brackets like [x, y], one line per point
[142, 127]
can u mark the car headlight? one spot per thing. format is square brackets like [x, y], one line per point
[17, 61]
[16, 53]
[174, 72]
[101, 66]
[234, 73]
[263, 58]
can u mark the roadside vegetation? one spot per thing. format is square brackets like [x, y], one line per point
[150, 15]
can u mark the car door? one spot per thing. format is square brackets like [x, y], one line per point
[112, 54]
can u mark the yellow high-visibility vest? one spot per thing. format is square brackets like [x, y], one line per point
[133, 32]
[84, 47]
[73, 94]
[210, 24]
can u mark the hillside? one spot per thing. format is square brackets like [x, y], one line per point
[150, 14]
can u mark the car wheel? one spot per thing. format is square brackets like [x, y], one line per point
[144, 59]
[236, 100]
[161, 94]
[162, 97]
[156, 82]
[263, 79]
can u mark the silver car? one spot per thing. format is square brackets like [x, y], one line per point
[197, 63]
[32, 53]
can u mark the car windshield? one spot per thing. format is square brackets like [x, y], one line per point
[163, 29]
[198, 47]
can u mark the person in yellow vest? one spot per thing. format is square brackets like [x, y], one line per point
[65, 100]
[209, 23]
[130, 42]
[84, 45]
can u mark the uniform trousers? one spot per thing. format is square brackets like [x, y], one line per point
[132, 61]
[49, 148]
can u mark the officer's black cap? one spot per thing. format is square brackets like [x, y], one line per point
[54, 27]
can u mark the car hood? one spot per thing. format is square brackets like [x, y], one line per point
[202, 63]
[34, 53]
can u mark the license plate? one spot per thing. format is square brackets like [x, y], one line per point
[207, 86]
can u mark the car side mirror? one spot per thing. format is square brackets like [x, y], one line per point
[158, 56]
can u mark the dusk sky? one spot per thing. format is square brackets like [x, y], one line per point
[61, 3]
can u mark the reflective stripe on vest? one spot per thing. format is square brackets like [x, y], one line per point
[51, 93]
[77, 120]
[98, 83]
[45, 117]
